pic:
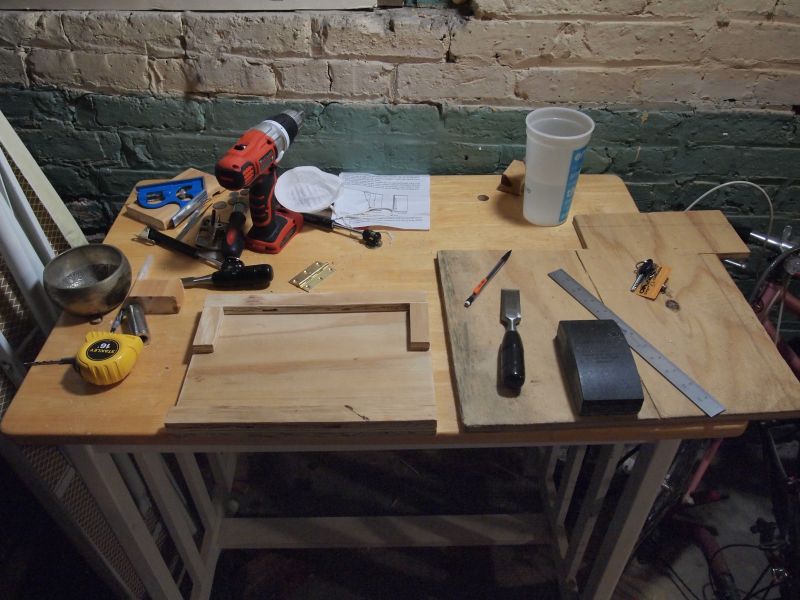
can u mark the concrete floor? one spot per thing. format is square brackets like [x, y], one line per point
[37, 562]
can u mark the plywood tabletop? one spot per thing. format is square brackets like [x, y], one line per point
[55, 406]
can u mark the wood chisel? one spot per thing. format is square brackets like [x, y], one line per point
[512, 357]
[688, 386]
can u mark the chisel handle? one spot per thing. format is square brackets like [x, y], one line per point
[512, 361]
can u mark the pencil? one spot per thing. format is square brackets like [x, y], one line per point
[486, 279]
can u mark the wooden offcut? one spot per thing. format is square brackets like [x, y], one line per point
[158, 296]
[159, 218]
[349, 362]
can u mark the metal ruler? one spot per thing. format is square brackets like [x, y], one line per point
[688, 386]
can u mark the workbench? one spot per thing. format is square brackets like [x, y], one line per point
[94, 425]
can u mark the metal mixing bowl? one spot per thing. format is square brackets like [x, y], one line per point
[88, 280]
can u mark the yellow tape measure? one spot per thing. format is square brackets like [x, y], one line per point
[107, 358]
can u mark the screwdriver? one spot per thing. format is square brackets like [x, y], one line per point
[233, 244]
[234, 275]
[372, 239]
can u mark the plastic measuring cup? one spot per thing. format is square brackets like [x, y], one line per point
[557, 141]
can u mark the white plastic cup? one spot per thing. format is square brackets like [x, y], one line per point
[557, 141]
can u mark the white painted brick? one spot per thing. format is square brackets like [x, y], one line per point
[506, 9]
[788, 8]
[747, 7]
[780, 89]
[99, 31]
[680, 8]
[266, 35]
[12, 67]
[303, 77]
[406, 36]
[667, 85]
[580, 85]
[89, 71]
[522, 44]
[746, 43]
[209, 74]
[39, 29]
[673, 42]
[361, 79]
[517, 44]
[450, 81]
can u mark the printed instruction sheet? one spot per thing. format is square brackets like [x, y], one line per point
[398, 201]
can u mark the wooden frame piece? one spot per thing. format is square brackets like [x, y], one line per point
[353, 361]
[218, 305]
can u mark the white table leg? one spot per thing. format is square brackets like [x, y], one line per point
[114, 500]
[631, 512]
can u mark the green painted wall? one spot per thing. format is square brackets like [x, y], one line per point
[94, 147]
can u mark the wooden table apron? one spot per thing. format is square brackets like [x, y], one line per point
[55, 407]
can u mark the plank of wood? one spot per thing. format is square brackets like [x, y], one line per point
[709, 336]
[159, 218]
[692, 232]
[283, 362]
[713, 337]
[475, 334]
[384, 532]
[207, 330]
[158, 296]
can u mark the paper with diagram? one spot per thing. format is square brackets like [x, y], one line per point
[399, 201]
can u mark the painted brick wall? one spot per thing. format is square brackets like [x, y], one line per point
[686, 93]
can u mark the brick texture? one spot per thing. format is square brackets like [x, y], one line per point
[685, 93]
[691, 53]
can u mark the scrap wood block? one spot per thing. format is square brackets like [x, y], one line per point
[159, 218]
[512, 181]
[158, 296]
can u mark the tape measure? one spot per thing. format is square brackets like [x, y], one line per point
[107, 358]
[104, 358]
[688, 386]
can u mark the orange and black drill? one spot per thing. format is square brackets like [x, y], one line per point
[252, 162]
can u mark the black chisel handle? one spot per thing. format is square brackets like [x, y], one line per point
[512, 361]
[252, 277]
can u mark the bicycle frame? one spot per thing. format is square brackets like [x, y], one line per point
[771, 294]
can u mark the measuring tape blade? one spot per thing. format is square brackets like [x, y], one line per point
[685, 384]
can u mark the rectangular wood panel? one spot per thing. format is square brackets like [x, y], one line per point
[310, 363]
[706, 328]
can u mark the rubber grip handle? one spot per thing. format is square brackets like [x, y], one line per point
[512, 361]
[233, 244]
[251, 277]
[262, 198]
[318, 220]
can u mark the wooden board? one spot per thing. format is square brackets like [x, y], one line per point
[159, 218]
[646, 234]
[309, 363]
[475, 334]
[713, 335]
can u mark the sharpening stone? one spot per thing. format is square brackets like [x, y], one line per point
[598, 366]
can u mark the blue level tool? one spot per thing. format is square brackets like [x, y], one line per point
[179, 191]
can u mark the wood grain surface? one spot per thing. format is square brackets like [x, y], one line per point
[302, 364]
[55, 406]
[709, 331]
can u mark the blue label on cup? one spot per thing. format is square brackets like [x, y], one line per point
[572, 180]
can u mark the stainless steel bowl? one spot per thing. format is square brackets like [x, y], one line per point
[88, 280]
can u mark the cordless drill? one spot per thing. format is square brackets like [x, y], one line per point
[252, 162]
